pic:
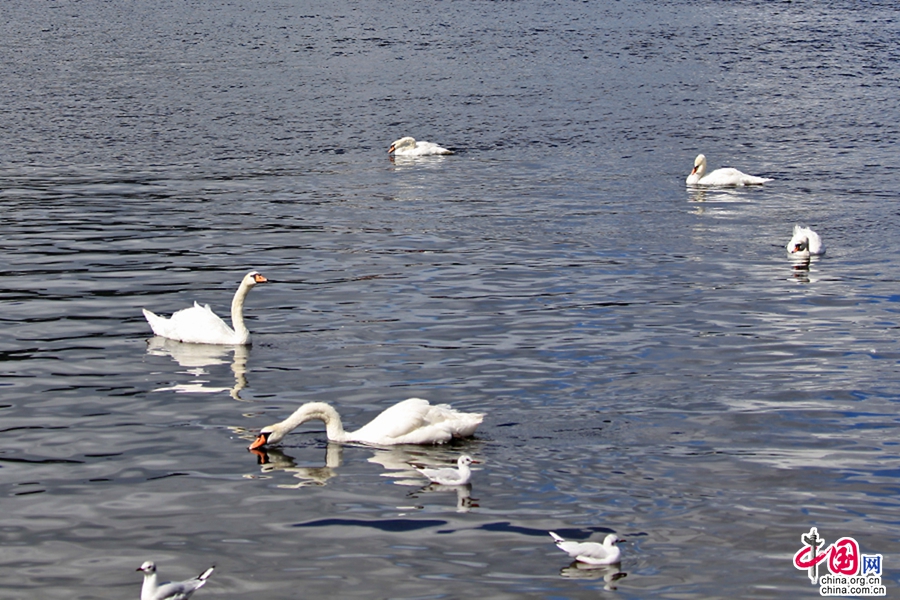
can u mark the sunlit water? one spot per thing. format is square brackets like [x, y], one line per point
[649, 360]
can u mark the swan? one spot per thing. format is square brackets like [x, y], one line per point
[805, 243]
[726, 176]
[413, 421]
[408, 146]
[591, 553]
[200, 325]
[175, 590]
[450, 476]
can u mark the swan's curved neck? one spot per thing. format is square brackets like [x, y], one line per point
[237, 313]
[321, 411]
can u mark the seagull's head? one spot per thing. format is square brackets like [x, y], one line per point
[148, 568]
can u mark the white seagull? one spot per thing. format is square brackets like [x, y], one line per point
[174, 590]
[200, 325]
[721, 177]
[591, 553]
[408, 146]
[805, 243]
[451, 476]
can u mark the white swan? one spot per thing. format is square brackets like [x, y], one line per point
[721, 177]
[805, 243]
[592, 553]
[450, 476]
[200, 325]
[412, 421]
[176, 590]
[408, 146]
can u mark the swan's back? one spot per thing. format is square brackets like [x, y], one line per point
[728, 176]
[409, 146]
[197, 324]
[416, 421]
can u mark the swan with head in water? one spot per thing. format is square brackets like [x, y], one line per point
[805, 243]
[721, 177]
[413, 421]
[200, 325]
[408, 146]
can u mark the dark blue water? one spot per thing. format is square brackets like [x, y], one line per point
[649, 360]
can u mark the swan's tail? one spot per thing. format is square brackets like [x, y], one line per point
[157, 323]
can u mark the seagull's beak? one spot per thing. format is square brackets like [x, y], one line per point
[476, 462]
[260, 441]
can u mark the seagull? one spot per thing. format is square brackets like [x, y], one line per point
[172, 590]
[450, 476]
[591, 553]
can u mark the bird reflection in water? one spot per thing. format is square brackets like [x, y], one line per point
[609, 573]
[402, 464]
[273, 459]
[195, 358]
[801, 268]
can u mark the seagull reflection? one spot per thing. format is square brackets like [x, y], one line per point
[273, 459]
[609, 573]
[194, 357]
[464, 500]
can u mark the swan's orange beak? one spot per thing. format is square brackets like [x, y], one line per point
[694, 170]
[391, 149]
[260, 441]
[259, 278]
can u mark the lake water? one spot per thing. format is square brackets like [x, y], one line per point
[649, 360]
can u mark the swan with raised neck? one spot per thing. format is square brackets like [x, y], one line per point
[200, 325]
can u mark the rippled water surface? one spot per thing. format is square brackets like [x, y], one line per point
[649, 360]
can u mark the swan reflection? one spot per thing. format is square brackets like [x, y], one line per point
[273, 459]
[195, 358]
[801, 267]
[398, 462]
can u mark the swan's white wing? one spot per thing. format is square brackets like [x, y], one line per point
[730, 176]
[396, 421]
[197, 324]
[421, 149]
[429, 148]
[415, 421]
